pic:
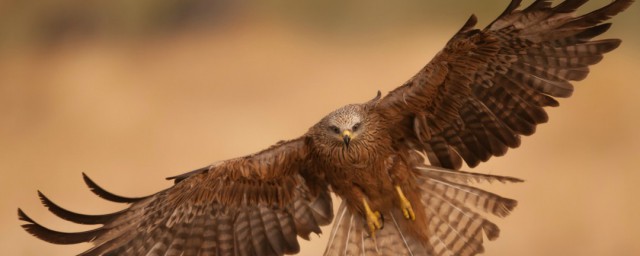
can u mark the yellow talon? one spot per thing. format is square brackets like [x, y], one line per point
[373, 219]
[407, 210]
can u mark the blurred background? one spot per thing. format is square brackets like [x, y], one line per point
[131, 92]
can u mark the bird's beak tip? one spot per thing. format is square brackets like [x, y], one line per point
[346, 137]
[346, 140]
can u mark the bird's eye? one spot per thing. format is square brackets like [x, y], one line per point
[355, 127]
[335, 129]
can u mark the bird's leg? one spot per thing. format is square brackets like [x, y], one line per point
[407, 210]
[400, 174]
[374, 219]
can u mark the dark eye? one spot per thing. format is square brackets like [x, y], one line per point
[355, 127]
[334, 129]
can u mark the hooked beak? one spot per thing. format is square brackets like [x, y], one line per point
[346, 137]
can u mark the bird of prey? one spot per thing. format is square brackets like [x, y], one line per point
[474, 100]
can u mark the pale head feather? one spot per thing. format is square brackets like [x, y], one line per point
[351, 118]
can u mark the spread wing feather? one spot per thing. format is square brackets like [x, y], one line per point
[455, 228]
[488, 87]
[256, 205]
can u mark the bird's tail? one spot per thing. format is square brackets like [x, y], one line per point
[454, 225]
[350, 237]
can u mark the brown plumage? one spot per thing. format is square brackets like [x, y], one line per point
[471, 102]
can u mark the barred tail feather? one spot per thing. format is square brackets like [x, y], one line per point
[349, 236]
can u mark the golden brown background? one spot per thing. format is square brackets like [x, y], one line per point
[131, 92]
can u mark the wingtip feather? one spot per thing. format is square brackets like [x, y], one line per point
[73, 216]
[469, 24]
[99, 191]
[56, 237]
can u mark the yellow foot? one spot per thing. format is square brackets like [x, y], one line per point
[374, 219]
[407, 210]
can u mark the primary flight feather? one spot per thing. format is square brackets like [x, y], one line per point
[473, 101]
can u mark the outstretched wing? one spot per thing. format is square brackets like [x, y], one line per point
[488, 87]
[256, 205]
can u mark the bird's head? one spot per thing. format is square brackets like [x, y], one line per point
[343, 126]
[348, 125]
